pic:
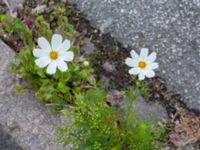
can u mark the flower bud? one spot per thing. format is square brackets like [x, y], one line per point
[86, 63]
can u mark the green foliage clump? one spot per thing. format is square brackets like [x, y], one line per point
[144, 91]
[14, 27]
[96, 126]
[43, 27]
[57, 89]
[64, 27]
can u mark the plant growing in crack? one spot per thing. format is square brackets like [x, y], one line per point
[73, 89]
[56, 87]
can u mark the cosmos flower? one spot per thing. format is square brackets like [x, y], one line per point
[142, 65]
[55, 55]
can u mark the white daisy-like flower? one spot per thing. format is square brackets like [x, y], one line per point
[53, 55]
[142, 65]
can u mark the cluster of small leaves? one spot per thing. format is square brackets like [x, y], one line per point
[144, 91]
[14, 29]
[43, 27]
[64, 27]
[96, 126]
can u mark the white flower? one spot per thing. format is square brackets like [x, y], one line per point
[142, 65]
[54, 55]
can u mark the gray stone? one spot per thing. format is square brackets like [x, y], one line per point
[108, 67]
[169, 27]
[145, 110]
[26, 120]
[87, 47]
[149, 110]
[14, 3]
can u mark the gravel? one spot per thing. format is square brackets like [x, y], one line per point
[169, 27]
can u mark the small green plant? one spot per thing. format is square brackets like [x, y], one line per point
[144, 91]
[96, 126]
[43, 27]
[17, 31]
[64, 27]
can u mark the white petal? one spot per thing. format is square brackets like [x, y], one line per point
[66, 55]
[134, 71]
[144, 53]
[154, 65]
[149, 73]
[152, 57]
[131, 62]
[64, 46]
[134, 55]
[44, 44]
[51, 69]
[39, 53]
[42, 61]
[62, 66]
[141, 76]
[56, 41]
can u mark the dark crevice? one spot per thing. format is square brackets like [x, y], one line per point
[7, 142]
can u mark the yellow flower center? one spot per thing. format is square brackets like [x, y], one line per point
[142, 64]
[53, 54]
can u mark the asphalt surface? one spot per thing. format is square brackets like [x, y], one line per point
[169, 27]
